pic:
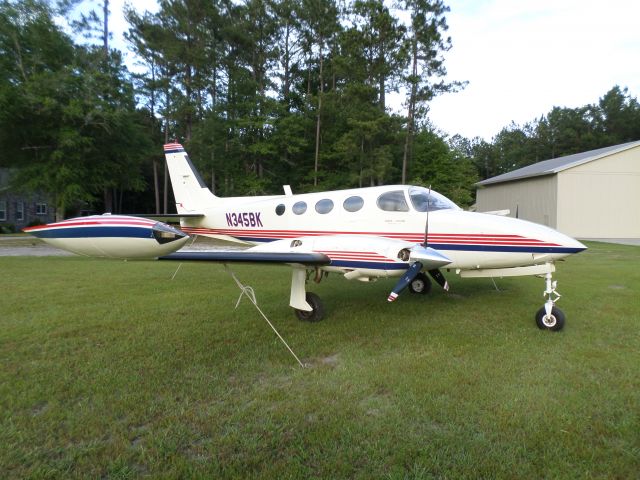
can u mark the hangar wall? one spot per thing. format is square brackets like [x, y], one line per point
[536, 199]
[601, 199]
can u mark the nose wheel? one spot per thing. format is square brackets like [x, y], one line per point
[553, 321]
[550, 317]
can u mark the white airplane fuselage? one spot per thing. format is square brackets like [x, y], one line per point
[470, 240]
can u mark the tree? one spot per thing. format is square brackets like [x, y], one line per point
[381, 38]
[425, 44]
[37, 86]
[145, 37]
[367, 140]
[289, 46]
[319, 27]
[619, 116]
[70, 109]
[448, 170]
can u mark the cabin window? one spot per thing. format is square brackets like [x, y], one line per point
[280, 209]
[353, 204]
[324, 206]
[423, 200]
[3, 210]
[299, 208]
[393, 202]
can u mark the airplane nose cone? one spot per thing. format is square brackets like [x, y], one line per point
[580, 245]
[569, 243]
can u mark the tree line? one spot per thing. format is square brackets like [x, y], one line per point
[613, 120]
[262, 93]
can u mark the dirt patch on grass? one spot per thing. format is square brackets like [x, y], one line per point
[39, 409]
[330, 361]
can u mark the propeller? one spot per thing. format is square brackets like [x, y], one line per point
[422, 257]
[411, 273]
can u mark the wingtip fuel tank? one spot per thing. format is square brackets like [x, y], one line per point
[112, 236]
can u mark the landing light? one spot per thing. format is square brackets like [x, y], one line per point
[164, 233]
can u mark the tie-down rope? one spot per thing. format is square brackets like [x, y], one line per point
[250, 294]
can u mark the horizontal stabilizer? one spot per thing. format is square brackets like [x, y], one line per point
[250, 257]
[167, 217]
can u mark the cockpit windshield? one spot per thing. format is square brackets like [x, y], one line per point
[424, 200]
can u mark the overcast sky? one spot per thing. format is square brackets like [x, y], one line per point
[521, 58]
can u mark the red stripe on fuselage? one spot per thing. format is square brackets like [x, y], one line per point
[452, 238]
[109, 223]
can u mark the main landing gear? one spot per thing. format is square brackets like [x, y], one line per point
[307, 305]
[317, 309]
[550, 317]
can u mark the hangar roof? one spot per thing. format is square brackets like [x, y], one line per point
[555, 165]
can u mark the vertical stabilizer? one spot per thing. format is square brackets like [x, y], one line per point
[191, 193]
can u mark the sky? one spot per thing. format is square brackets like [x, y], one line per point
[521, 58]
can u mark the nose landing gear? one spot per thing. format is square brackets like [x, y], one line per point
[550, 317]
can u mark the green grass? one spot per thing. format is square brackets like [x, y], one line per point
[111, 370]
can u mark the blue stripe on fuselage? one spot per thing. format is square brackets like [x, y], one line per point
[371, 265]
[95, 232]
[462, 247]
[502, 248]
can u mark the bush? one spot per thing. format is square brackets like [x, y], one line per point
[8, 228]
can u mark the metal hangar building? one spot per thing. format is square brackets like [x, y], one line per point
[594, 194]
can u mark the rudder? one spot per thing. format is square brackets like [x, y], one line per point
[190, 191]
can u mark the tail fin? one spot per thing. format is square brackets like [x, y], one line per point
[190, 191]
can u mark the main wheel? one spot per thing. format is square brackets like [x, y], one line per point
[314, 315]
[554, 322]
[420, 284]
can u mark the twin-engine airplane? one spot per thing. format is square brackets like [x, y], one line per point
[362, 234]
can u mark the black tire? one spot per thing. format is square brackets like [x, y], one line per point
[555, 323]
[314, 315]
[421, 284]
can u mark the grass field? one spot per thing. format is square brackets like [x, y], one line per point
[110, 369]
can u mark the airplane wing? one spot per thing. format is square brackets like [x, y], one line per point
[351, 253]
[244, 256]
[297, 260]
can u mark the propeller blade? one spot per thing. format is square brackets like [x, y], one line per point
[439, 278]
[411, 273]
